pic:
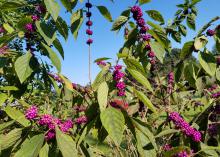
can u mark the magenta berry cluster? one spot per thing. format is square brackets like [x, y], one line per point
[170, 78]
[181, 124]
[3, 50]
[48, 121]
[2, 30]
[79, 108]
[31, 113]
[89, 32]
[138, 17]
[118, 78]
[101, 63]
[81, 120]
[184, 154]
[210, 32]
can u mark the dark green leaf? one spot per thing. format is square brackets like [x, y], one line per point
[113, 121]
[53, 8]
[119, 22]
[105, 13]
[155, 15]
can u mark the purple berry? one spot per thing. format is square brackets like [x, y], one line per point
[31, 113]
[89, 41]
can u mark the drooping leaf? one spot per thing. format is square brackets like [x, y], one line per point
[140, 78]
[158, 50]
[44, 152]
[10, 139]
[46, 31]
[113, 121]
[62, 27]
[23, 68]
[187, 49]
[102, 96]
[53, 8]
[119, 22]
[3, 98]
[144, 129]
[207, 62]
[105, 13]
[155, 15]
[144, 1]
[66, 144]
[53, 56]
[17, 116]
[76, 22]
[8, 28]
[31, 147]
[191, 21]
[6, 124]
[59, 47]
[145, 100]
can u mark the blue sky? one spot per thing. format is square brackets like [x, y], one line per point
[108, 43]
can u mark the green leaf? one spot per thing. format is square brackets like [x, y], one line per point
[158, 50]
[3, 98]
[200, 42]
[6, 124]
[134, 64]
[9, 88]
[102, 76]
[17, 116]
[143, 1]
[166, 132]
[119, 22]
[44, 152]
[187, 49]
[105, 13]
[62, 27]
[191, 21]
[66, 144]
[8, 28]
[46, 31]
[113, 121]
[10, 139]
[23, 68]
[144, 129]
[140, 78]
[53, 8]
[102, 96]
[59, 47]
[68, 4]
[53, 56]
[76, 22]
[31, 147]
[155, 15]
[145, 100]
[182, 30]
[207, 62]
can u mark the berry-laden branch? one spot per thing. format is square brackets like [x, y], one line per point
[89, 32]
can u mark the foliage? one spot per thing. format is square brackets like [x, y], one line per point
[163, 101]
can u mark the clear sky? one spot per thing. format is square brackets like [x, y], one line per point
[108, 43]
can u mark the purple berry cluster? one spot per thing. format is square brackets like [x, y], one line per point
[184, 154]
[167, 147]
[48, 121]
[181, 124]
[118, 77]
[55, 77]
[210, 32]
[89, 32]
[81, 120]
[213, 130]
[31, 113]
[102, 63]
[138, 17]
[3, 50]
[170, 78]
[2, 30]
[80, 108]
